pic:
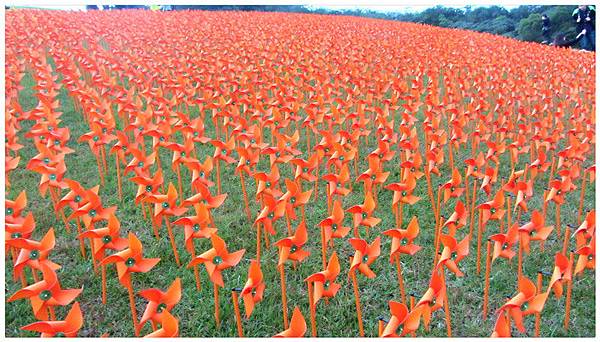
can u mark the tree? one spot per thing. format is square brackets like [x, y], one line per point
[530, 28]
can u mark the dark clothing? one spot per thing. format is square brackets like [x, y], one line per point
[585, 19]
[546, 28]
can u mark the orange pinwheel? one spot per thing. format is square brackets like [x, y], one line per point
[324, 281]
[402, 239]
[271, 212]
[217, 259]
[586, 258]
[169, 327]
[46, 294]
[197, 226]
[140, 164]
[254, 288]
[433, 299]
[493, 210]
[294, 197]
[374, 174]
[106, 238]
[334, 224]
[534, 230]
[304, 168]
[130, 260]
[201, 172]
[452, 188]
[92, 211]
[159, 303]
[363, 214]
[453, 253]
[337, 182]
[503, 243]
[364, 255]
[401, 317]
[403, 192]
[528, 296]
[290, 248]
[67, 328]
[457, 219]
[18, 229]
[147, 186]
[34, 254]
[560, 275]
[297, 326]
[15, 207]
[267, 183]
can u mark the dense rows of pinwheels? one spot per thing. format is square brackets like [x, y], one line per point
[456, 150]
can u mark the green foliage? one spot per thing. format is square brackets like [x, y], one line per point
[530, 28]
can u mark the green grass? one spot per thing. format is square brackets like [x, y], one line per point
[337, 318]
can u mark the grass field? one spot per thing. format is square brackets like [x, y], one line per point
[337, 318]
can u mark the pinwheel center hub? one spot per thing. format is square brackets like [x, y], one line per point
[95, 138]
[183, 154]
[196, 134]
[293, 200]
[92, 213]
[217, 260]
[326, 285]
[505, 245]
[412, 169]
[161, 138]
[106, 238]
[59, 334]
[15, 235]
[253, 141]
[305, 169]
[452, 188]
[196, 227]
[45, 295]
[277, 154]
[202, 174]
[334, 226]
[372, 177]
[342, 158]
[247, 162]
[493, 210]
[77, 199]
[380, 155]
[165, 205]
[56, 142]
[271, 215]
[140, 164]
[52, 177]
[293, 249]
[34, 254]
[161, 307]
[223, 151]
[130, 262]
[365, 258]
[590, 257]
[453, 255]
[9, 211]
[148, 188]
[326, 150]
[404, 241]
[364, 215]
[46, 160]
[268, 184]
[339, 185]
[403, 193]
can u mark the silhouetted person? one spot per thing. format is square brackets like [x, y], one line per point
[546, 28]
[585, 18]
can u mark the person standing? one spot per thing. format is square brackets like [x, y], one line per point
[585, 19]
[546, 28]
